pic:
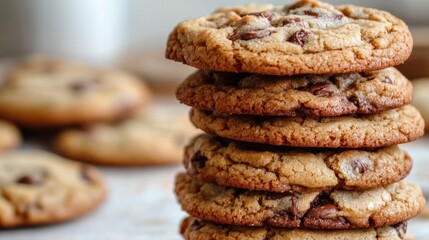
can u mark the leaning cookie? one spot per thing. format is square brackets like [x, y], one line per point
[308, 37]
[338, 209]
[147, 139]
[421, 99]
[9, 136]
[283, 169]
[309, 95]
[41, 188]
[46, 92]
[195, 229]
[387, 128]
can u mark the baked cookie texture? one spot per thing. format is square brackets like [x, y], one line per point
[148, 138]
[196, 229]
[10, 137]
[41, 92]
[40, 188]
[307, 37]
[338, 209]
[284, 169]
[309, 95]
[387, 128]
[421, 99]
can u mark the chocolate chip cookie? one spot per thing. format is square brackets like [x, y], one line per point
[353, 131]
[9, 136]
[307, 37]
[195, 229]
[283, 169]
[338, 209]
[46, 92]
[309, 95]
[41, 188]
[149, 138]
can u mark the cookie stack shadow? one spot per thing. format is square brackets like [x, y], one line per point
[288, 156]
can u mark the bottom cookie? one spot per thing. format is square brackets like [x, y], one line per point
[195, 229]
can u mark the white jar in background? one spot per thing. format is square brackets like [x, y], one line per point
[93, 31]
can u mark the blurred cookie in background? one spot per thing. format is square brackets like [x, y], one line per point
[153, 137]
[42, 92]
[421, 98]
[10, 136]
[41, 188]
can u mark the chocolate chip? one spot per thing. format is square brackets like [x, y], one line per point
[276, 195]
[266, 14]
[361, 102]
[387, 80]
[87, 174]
[358, 166]
[197, 225]
[311, 13]
[401, 229]
[300, 37]
[251, 34]
[323, 211]
[288, 21]
[197, 162]
[320, 89]
[34, 178]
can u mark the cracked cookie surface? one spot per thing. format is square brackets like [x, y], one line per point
[309, 95]
[387, 128]
[195, 229]
[338, 209]
[40, 188]
[47, 92]
[9, 136]
[307, 37]
[283, 169]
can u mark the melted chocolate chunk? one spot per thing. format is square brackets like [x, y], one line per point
[311, 13]
[320, 89]
[251, 34]
[322, 211]
[34, 178]
[358, 166]
[79, 87]
[327, 223]
[266, 14]
[360, 102]
[300, 37]
[197, 162]
[289, 21]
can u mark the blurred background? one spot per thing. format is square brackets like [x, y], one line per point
[131, 34]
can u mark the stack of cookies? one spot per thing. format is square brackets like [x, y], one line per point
[304, 112]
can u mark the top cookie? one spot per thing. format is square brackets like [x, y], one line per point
[308, 37]
[46, 92]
